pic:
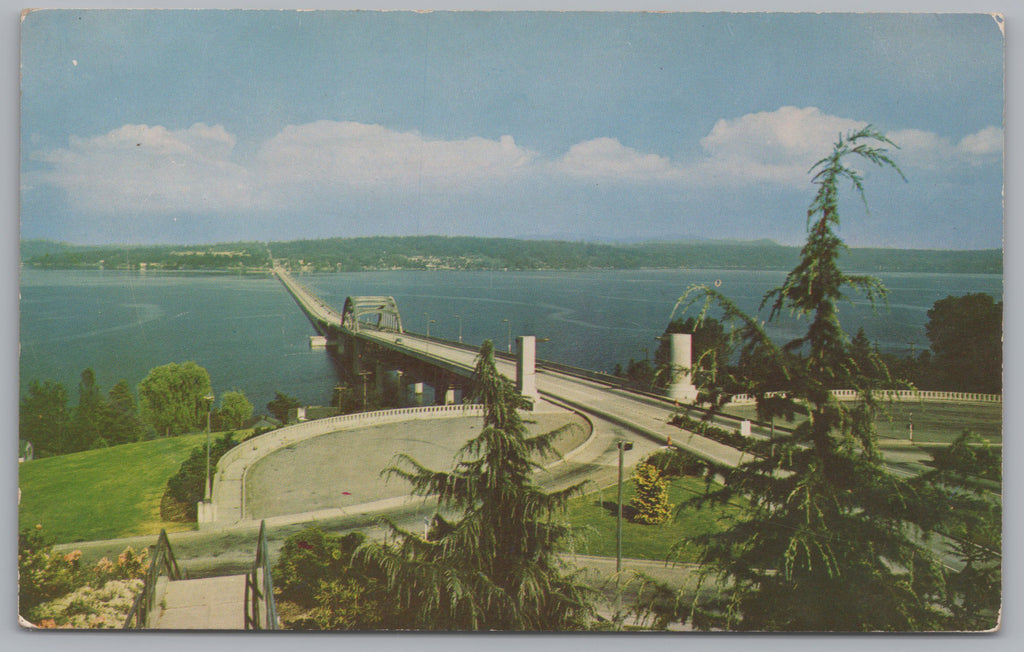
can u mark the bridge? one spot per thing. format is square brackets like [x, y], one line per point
[375, 322]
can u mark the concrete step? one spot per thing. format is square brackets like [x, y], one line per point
[211, 603]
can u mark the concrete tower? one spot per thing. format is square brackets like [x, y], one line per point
[680, 386]
[526, 366]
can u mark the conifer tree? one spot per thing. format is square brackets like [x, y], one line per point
[829, 540]
[494, 564]
[651, 499]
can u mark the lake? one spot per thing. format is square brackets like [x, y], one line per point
[250, 335]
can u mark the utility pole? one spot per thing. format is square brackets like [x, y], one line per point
[209, 408]
[623, 446]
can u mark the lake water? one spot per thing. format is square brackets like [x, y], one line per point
[250, 335]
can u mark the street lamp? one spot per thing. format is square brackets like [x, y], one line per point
[209, 408]
[459, 317]
[622, 446]
[506, 321]
[364, 374]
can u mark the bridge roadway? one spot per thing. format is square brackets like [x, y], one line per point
[642, 415]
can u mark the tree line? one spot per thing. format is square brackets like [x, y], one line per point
[965, 354]
[477, 253]
[173, 399]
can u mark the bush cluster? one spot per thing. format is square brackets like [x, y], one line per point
[186, 487]
[675, 462]
[320, 584]
[651, 499]
[57, 590]
[728, 437]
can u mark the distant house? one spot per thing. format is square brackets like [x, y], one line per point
[25, 452]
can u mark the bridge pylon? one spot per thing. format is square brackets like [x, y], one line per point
[680, 387]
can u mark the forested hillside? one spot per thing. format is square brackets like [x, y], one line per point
[470, 253]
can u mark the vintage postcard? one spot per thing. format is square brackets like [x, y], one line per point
[511, 321]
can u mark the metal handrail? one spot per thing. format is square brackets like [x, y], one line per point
[257, 591]
[163, 562]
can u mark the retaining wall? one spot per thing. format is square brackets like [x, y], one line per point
[228, 495]
[896, 395]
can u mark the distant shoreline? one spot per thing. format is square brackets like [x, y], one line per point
[441, 253]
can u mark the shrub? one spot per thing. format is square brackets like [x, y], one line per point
[651, 500]
[42, 574]
[675, 462]
[185, 489]
[55, 590]
[307, 558]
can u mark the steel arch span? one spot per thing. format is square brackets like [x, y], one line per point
[377, 313]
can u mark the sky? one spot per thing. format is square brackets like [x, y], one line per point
[212, 126]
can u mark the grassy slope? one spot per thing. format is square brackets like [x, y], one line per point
[102, 494]
[594, 515]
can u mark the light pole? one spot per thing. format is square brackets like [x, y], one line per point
[209, 408]
[623, 446]
[506, 321]
[459, 317]
[364, 374]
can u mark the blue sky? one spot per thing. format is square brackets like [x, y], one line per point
[206, 126]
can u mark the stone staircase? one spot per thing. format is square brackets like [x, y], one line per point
[210, 603]
[170, 600]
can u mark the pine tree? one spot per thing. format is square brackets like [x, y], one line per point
[829, 540]
[651, 499]
[495, 564]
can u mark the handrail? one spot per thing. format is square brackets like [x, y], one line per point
[257, 591]
[162, 561]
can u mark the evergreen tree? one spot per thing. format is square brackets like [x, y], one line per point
[87, 424]
[966, 335]
[121, 421]
[281, 405]
[496, 565]
[829, 540]
[651, 499]
[43, 418]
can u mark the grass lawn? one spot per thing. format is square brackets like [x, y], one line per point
[594, 516]
[933, 421]
[102, 494]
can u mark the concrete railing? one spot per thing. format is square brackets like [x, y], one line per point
[896, 395]
[228, 495]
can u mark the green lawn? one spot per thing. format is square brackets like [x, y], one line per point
[594, 516]
[102, 494]
[933, 421]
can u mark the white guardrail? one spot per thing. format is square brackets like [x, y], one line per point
[228, 495]
[895, 395]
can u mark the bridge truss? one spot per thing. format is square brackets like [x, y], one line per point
[377, 313]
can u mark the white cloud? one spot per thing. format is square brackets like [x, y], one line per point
[778, 146]
[141, 168]
[607, 158]
[928, 151]
[350, 154]
[983, 144]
